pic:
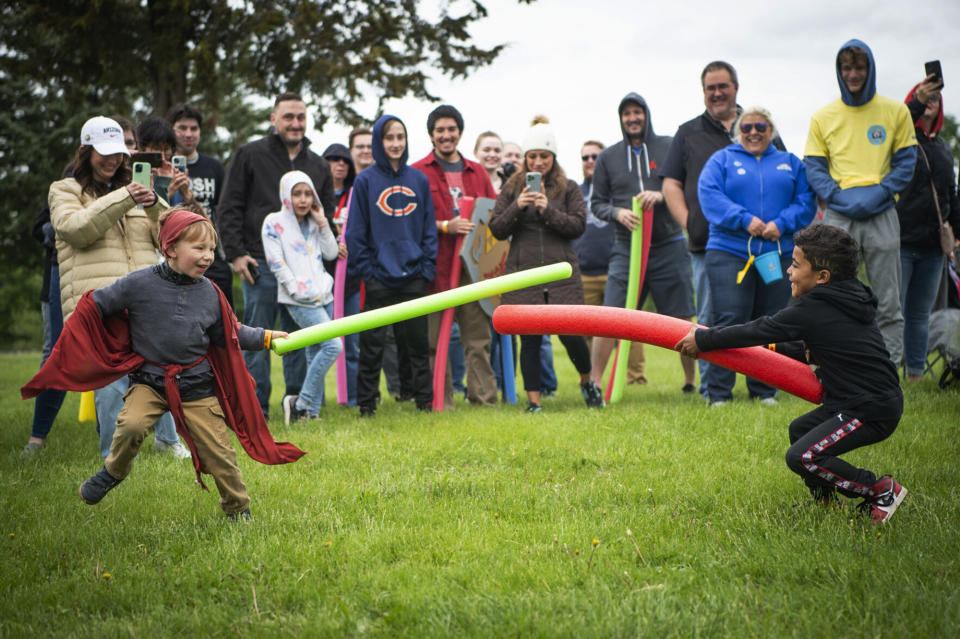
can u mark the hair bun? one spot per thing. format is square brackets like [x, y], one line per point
[539, 119]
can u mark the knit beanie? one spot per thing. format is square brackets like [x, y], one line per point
[540, 137]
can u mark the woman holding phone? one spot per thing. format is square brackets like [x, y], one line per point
[106, 226]
[544, 212]
[928, 201]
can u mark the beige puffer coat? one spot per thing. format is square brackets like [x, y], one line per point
[93, 247]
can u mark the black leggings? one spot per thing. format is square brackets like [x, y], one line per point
[530, 357]
[818, 437]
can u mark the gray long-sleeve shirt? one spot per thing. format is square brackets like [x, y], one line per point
[173, 320]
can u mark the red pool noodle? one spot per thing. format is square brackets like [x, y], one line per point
[757, 362]
[446, 320]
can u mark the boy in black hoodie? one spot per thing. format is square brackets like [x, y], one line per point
[832, 325]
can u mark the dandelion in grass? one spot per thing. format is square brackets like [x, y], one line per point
[594, 543]
[329, 543]
[496, 515]
[106, 576]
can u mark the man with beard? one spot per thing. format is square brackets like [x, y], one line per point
[623, 171]
[251, 192]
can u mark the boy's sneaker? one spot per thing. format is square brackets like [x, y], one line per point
[533, 408]
[97, 487]
[31, 449]
[686, 389]
[768, 401]
[367, 411]
[592, 395]
[289, 404]
[293, 414]
[547, 394]
[887, 495]
[178, 450]
[243, 515]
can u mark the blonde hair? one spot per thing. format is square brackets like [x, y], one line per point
[754, 110]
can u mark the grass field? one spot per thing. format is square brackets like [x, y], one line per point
[656, 517]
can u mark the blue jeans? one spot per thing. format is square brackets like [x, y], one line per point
[320, 357]
[47, 404]
[701, 288]
[109, 401]
[548, 376]
[921, 270]
[260, 309]
[456, 360]
[739, 303]
[351, 346]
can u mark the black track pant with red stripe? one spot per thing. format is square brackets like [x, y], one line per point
[818, 438]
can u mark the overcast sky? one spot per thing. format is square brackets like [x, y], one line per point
[573, 60]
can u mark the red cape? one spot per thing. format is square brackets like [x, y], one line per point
[93, 352]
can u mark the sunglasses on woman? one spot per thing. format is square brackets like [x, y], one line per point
[746, 127]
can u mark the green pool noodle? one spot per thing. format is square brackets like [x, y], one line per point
[422, 306]
[633, 295]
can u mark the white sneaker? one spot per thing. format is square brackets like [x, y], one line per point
[718, 403]
[769, 401]
[178, 450]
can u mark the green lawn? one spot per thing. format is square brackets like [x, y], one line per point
[656, 517]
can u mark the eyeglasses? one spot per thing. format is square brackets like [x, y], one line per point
[746, 127]
[587, 158]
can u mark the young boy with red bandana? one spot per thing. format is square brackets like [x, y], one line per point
[173, 332]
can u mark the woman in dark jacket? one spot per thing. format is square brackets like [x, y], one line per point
[542, 226]
[921, 258]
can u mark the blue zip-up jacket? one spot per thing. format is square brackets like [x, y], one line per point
[391, 230]
[861, 202]
[735, 186]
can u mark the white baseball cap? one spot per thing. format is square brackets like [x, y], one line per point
[104, 135]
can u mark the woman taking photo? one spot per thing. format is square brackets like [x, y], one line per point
[755, 198]
[106, 227]
[929, 199]
[543, 220]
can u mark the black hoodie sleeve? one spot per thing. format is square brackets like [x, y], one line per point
[786, 326]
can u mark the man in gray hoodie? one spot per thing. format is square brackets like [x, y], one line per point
[624, 170]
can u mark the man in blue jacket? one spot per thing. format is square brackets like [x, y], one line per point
[392, 242]
[860, 153]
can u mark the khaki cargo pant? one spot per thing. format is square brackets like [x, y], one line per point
[142, 406]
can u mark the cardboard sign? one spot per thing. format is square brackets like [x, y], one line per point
[484, 256]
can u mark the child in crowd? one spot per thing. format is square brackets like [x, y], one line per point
[175, 334]
[833, 316]
[296, 240]
[392, 239]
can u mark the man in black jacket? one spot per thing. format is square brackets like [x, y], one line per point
[252, 190]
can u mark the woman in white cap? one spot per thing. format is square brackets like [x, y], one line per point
[106, 227]
[542, 215]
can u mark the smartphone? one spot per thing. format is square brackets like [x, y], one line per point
[155, 159]
[254, 271]
[533, 181]
[179, 162]
[141, 173]
[934, 67]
